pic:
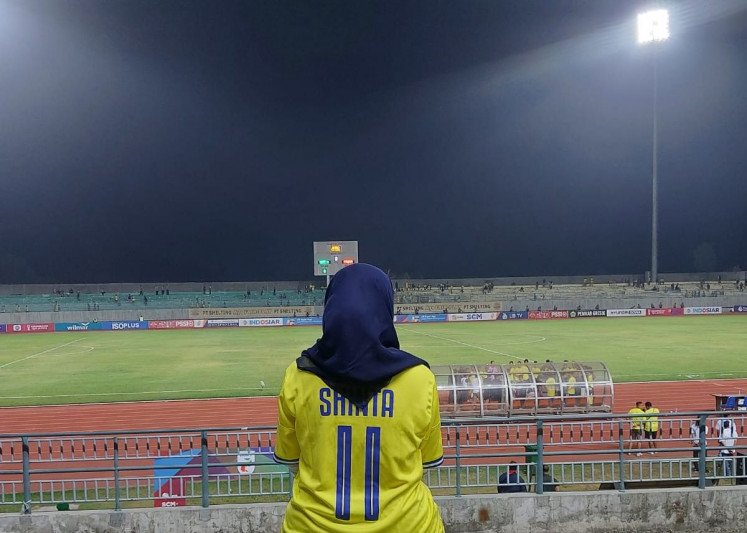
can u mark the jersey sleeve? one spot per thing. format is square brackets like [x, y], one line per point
[432, 448]
[287, 450]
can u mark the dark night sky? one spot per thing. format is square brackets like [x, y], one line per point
[203, 140]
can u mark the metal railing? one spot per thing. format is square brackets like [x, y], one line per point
[224, 464]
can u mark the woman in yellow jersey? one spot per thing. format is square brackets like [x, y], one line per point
[360, 418]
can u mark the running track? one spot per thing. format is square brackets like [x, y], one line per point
[262, 411]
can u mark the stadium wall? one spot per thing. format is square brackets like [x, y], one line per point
[720, 509]
[518, 305]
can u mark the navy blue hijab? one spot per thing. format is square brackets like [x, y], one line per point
[359, 350]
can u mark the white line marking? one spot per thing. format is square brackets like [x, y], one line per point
[123, 393]
[40, 353]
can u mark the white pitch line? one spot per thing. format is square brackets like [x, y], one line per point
[466, 344]
[124, 393]
[40, 353]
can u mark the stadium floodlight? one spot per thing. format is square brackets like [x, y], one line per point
[653, 26]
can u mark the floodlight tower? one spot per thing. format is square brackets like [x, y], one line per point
[653, 29]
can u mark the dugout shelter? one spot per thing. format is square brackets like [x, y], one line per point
[521, 388]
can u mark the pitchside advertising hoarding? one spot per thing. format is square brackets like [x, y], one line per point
[77, 326]
[171, 324]
[2, 328]
[545, 315]
[626, 312]
[740, 308]
[30, 328]
[587, 313]
[222, 323]
[124, 325]
[411, 319]
[709, 310]
[261, 322]
[469, 317]
[513, 315]
[304, 321]
[665, 311]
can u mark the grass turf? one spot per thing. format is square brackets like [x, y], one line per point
[148, 365]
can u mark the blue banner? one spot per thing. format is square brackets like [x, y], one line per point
[513, 315]
[124, 325]
[304, 321]
[222, 323]
[740, 308]
[410, 319]
[2, 328]
[77, 326]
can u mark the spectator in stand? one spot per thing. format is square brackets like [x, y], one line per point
[511, 481]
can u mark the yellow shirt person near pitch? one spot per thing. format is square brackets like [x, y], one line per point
[377, 454]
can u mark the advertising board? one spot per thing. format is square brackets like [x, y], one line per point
[252, 312]
[740, 308]
[124, 325]
[30, 328]
[664, 311]
[469, 317]
[544, 315]
[304, 321]
[405, 319]
[513, 315]
[222, 323]
[587, 313]
[261, 322]
[626, 312]
[2, 328]
[171, 324]
[706, 310]
[77, 326]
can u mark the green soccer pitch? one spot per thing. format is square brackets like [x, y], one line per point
[63, 368]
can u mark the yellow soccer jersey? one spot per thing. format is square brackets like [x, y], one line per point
[360, 469]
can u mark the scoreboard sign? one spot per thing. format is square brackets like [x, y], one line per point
[332, 256]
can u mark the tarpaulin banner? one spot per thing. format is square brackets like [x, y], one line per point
[543, 315]
[261, 322]
[626, 312]
[711, 310]
[513, 315]
[30, 328]
[664, 311]
[171, 324]
[468, 317]
[740, 308]
[2, 328]
[252, 312]
[222, 323]
[304, 321]
[587, 313]
[124, 325]
[77, 326]
[405, 319]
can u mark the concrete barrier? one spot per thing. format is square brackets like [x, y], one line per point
[719, 509]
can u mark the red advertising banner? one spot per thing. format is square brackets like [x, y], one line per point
[30, 328]
[543, 315]
[678, 311]
[665, 311]
[171, 324]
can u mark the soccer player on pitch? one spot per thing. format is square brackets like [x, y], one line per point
[360, 418]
